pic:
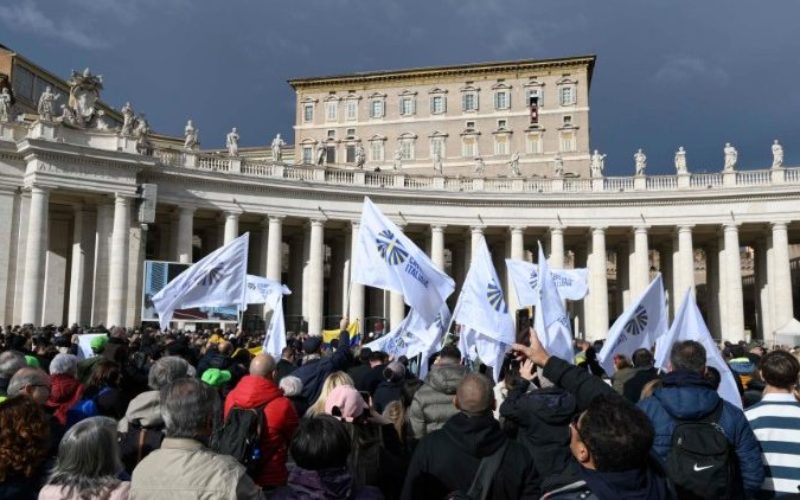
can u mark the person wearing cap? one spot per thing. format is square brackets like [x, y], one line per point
[391, 388]
[316, 368]
[259, 390]
[216, 378]
[85, 367]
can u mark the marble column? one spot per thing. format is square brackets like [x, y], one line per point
[761, 291]
[733, 270]
[36, 251]
[296, 265]
[625, 279]
[316, 276]
[685, 264]
[275, 248]
[712, 288]
[357, 292]
[597, 327]
[476, 233]
[667, 269]
[185, 234]
[722, 286]
[556, 247]
[640, 262]
[118, 270]
[8, 214]
[782, 275]
[77, 268]
[437, 245]
[397, 306]
[581, 307]
[516, 252]
[231, 227]
[102, 252]
[336, 298]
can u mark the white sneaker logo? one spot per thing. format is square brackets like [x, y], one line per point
[698, 468]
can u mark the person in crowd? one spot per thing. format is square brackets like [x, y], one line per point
[467, 438]
[10, 362]
[287, 363]
[217, 356]
[101, 396]
[687, 396]
[292, 388]
[377, 330]
[391, 388]
[361, 368]
[88, 463]
[24, 447]
[216, 378]
[183, 466]
[624, 372]
[320, 450]
[66, 390]
[776, 424]
[378, 361]
[643, 372]
[377, 458]
[315, 368]
[259, 390]
[397, 413]
[333, 381]
[433, 402]
[34, 383]
[610, 438]
[86, 366]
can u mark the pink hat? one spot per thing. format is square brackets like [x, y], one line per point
[349, 402]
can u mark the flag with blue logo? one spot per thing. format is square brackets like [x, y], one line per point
[386, 258]
[218, 279]
[482, 304]
[275, 339]
[572, 284]
[550, 319]
[640, 326]
[689, 325]
[475, 346]
[261, 290]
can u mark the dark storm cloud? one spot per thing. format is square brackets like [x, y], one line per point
[669, 73]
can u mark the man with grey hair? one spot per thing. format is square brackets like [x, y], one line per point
[467, 438]
[184, 467]
[31, 382]
[10, 362]
[144, 409]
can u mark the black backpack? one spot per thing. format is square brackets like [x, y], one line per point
[240, 437]
[701, 463]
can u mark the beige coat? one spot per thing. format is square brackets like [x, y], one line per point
[184, 469]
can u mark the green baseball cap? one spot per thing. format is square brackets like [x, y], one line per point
[98, 343]
[216, 377]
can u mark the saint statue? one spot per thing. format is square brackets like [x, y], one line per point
[680, 161]
[277, 144]
[398, 159]
[190, 135]
[46, 103]
[641, 162]
[731, 155]
[480, 165]
[321, 156]
[232, 142]
[558, 166]
[5, 105]
[514, 164]
[777, 154]
[361, 156]
[128, 119]
[598, 164]
[437, 163]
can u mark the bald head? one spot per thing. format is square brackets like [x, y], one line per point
[474, 395]
[262, 366]
[225, 347]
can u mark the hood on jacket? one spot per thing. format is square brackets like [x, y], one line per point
[552, 406]
[687, 395]
[64, 389]
[321, 485]
[647, 483]
[445, 379]
[476, 436]
[145, 410]
[253, 391]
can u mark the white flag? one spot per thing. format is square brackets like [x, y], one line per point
[474, 345]
[275, 339]
[218, 279]
[642, 323]
[412, 336]
[261, 290]
[386, 258]
[689, 325]
[550, 319]
[572, 284]
[482, 305]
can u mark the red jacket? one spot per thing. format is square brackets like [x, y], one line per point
[282, 421]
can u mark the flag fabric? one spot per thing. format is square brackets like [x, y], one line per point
[413, 337]
[261, 290]
[550, 319]
[352, 329]
[642, 323]
[689, 325]
[275, 339]
[476, 346]
[386, 258]
[481, 305]
[218, 279]
[572, 284]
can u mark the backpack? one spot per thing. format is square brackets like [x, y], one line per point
[240, 437]
[482, 482]
[701, 462]
[137, 443]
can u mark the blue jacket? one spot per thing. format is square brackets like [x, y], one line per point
[314, 372]
[686, 395]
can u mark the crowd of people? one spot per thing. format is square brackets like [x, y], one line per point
[206, 414]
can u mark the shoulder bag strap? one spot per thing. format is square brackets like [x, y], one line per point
[479, 490]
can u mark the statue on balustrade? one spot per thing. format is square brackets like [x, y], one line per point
[321, 156]
[232, 142]
[514, 164]
[128, 119]
[398, 159]
[558, 166]
[81, 108]
[731, 156]
[641, 162]
[480, 165]
[361, 156]
[777, 154]
[277, 144]
[598, 164]
[140, 131]
[437, 163]
[190, 136]
[46, 104]
[5, 105]
[680, 161]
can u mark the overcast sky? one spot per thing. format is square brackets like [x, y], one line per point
[695, 73]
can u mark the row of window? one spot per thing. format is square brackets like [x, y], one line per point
[438, 146]
[407, 103]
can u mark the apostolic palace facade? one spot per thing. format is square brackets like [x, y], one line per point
[89, 195]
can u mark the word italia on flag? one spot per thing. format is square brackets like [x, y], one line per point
[572, 284]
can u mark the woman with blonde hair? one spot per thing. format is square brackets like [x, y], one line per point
[333, 381]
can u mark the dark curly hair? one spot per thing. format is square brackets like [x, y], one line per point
[24, 437]
[618, 434]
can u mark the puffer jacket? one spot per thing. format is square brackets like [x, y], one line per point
[687, 396]
[433, 404]
[184, 468]
[144, 410]
[314, 372]
[282, 421]
[65, 393]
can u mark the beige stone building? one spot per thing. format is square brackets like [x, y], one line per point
[402, 119]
